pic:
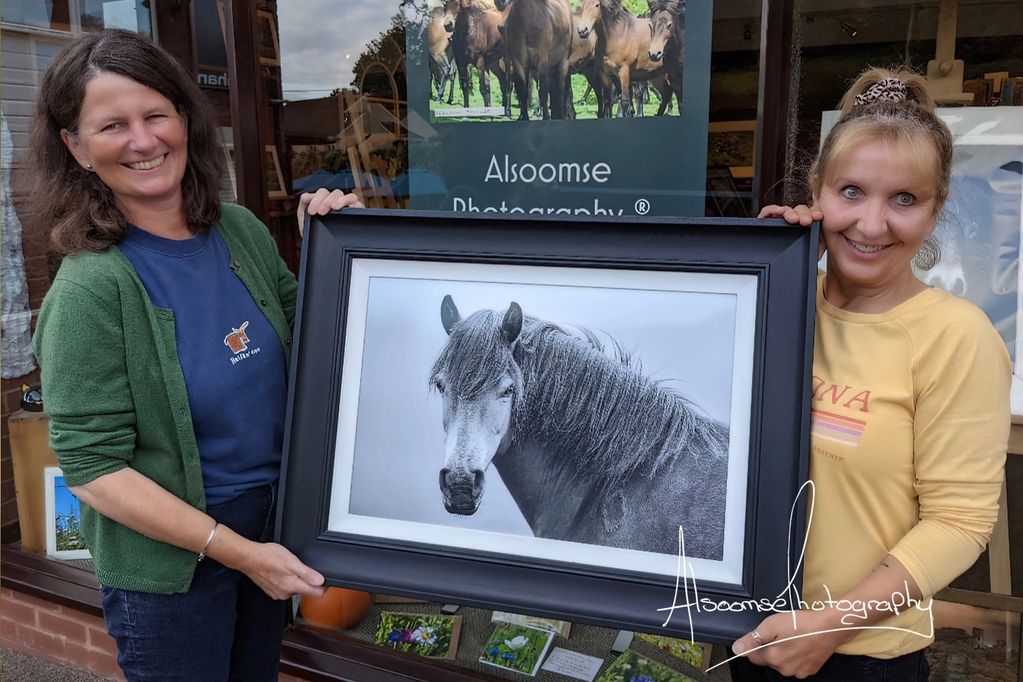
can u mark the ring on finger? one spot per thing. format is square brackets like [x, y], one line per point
[757, 638]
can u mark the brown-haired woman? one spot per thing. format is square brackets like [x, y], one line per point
[910, 404]
[163, 345]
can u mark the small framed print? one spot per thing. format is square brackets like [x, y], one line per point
[64, 538]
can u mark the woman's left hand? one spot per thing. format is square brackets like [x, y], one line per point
[805, 648]
[322, 202]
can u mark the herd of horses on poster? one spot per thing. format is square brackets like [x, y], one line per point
[623, 55]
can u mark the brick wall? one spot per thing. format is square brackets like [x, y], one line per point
[39, 628]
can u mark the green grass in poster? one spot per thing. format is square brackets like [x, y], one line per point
[585, 107]
[631, 667]
[517, 647]
[432, 636]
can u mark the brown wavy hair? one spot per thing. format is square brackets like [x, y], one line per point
[911, 124]
[74, 205]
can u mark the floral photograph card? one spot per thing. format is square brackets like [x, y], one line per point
[559, 627]
[631, 667]
[517, 647]
[693, 653]
[430, 636]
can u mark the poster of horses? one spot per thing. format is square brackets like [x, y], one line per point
[558, 107]
[575, 415]
[506, 60]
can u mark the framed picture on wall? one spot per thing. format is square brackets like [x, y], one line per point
[567, 419]
[64, 538]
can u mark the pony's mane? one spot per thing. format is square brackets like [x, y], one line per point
[597, 409]
[478, 7]
[672, 6]
[613, 9]
[474, 357]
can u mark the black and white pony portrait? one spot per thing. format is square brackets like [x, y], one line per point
[590, 448]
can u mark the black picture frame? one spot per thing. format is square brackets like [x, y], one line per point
[779, 257]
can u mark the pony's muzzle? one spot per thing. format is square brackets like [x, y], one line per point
[584, 31]
[462, 491]
[655, 56]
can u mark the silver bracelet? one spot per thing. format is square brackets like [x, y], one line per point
[202, 554]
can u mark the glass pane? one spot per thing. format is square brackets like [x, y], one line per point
[133, 15]
[981, 99]
[735, 69]
[365, 112]
[53, 14]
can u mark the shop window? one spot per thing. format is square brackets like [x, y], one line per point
[52, 14]
[80, 15]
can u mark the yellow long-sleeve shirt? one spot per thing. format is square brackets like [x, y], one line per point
[910, 430]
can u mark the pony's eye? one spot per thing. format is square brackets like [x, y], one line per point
[508, 392]
[439, 386]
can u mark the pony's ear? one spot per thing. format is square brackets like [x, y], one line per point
[512, 325]
[449, 316]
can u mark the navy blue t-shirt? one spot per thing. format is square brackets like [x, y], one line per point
[231, 357]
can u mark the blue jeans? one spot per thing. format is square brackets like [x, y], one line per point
[911, 667]
[224, 628]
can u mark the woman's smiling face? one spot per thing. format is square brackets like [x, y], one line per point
[879, 205]
[133, 138]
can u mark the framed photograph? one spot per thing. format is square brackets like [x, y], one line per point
[731, 144]
[591, 421]
[63, 518]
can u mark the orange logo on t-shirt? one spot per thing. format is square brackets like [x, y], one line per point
[846, 396]
[237, 340]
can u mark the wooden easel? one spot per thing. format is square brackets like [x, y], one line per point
[361, 138]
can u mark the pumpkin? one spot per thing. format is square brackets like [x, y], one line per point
[339, 608]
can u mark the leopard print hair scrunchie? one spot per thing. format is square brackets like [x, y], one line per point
[891, 89]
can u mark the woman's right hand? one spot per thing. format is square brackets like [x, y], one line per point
[271, 566]
[280, 574]
[801, 215]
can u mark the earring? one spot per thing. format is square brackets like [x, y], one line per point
[88, 166]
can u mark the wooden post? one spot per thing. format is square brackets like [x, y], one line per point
[247, 103]
[773, 103]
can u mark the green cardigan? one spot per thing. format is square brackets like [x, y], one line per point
[114, 390]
